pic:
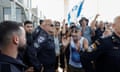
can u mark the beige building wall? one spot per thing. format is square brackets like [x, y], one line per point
[66, 8]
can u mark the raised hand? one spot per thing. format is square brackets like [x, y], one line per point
[63, 22]
[97, 15]
[65, 41]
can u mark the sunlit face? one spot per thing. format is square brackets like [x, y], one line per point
[117, 24]
[101, 24]
[56, 30]
[28, 28]
[22, 38]
[57, 26]
[84, 23]
[76, 34]
[66, 26]
[49, 27]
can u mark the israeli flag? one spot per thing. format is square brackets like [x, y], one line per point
[80, 9]
[75, 12]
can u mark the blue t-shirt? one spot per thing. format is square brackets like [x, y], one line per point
[87, 34]
[74, 56]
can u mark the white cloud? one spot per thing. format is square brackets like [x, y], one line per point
[54, 9]
[107, 9]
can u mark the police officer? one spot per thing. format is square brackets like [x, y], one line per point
[12, 39]
[44, 44]
[107, 51]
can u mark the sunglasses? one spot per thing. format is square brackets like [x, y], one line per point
[51, 25]
[74, 31]
[57, 25]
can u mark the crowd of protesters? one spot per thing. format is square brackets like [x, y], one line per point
[54, 46]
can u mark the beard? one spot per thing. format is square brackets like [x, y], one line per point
[75, 40]
[21, 48]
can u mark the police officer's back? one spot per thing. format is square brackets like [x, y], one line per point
[107, 51]
[12, 39]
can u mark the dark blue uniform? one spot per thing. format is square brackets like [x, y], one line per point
[44, 44]
[8, 64]
[107, 54]
[98, 33]
[30, 57]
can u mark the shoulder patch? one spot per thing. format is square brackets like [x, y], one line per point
[37, 30]
[94, 46]
[41, 39]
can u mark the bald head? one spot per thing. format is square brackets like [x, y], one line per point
[48, 26]
[116, 25]
[117, 20]
[47, 21]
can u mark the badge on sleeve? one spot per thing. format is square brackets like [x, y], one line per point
[36, 30]
[41, 39]
[95, 44]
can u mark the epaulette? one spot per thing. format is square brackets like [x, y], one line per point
[115, 40]
[95, 44]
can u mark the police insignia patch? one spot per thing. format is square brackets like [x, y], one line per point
[41, 39]
[94, 45]
[37, 30]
